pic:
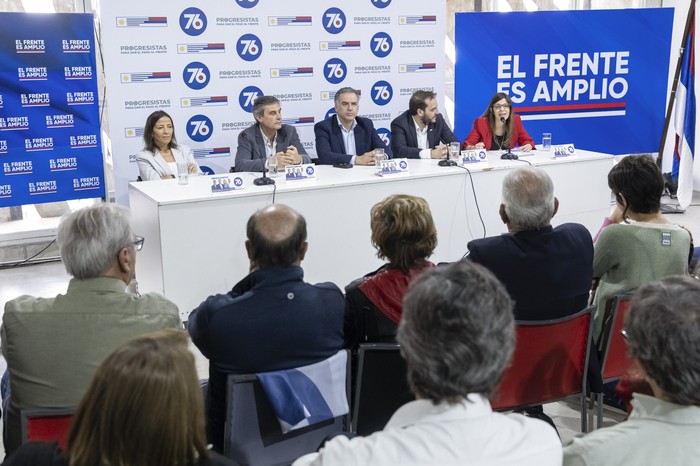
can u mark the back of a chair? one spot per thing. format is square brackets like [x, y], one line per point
[615, 360]
[549, 362]
[46, 425]
[252, 434]
[381, 386]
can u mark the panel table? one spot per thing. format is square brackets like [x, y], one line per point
[195, 238]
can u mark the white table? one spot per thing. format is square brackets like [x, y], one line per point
[195, 239]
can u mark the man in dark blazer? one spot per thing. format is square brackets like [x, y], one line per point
[421, 132]
[547, 271]
[345, 137]
[272, 319]
[268, 136]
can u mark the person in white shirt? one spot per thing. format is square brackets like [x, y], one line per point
[457, 334]
[662, 328]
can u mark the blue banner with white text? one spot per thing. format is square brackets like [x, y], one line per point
[595, 78]
[49, 118]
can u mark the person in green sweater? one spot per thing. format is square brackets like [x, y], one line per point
[637, 244]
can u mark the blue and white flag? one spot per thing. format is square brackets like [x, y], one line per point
[306, 395]
[684, 123]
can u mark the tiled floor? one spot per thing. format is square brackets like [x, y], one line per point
[49, 279]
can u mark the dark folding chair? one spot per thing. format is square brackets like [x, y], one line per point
[46, 425]
[550, 362]
[381, 386]
[252, 433]
[614, 359]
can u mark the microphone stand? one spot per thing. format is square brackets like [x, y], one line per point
[508, 155]
[447, 161]
[264, 179]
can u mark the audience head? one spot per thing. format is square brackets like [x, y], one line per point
[95, 239]
[403, 231]
[143, 407]
[159, 131]
[268, 112]
[276, 237]
[457, 332]
[663, 329]
[528, 199]
[637, 183]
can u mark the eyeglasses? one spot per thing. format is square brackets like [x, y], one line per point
[138, 244]
[501, 106]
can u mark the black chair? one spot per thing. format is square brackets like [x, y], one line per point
[252, 433]
[381, 386]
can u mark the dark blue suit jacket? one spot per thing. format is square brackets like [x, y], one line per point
[270, 320]
[547, 272]
[404, 141]
[331, 148]
[251, 154]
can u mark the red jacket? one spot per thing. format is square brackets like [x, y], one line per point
[481, 133]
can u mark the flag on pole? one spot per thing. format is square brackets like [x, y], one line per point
[684, 122]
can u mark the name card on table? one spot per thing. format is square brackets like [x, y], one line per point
[473, 157]
[563, 150]
[392, 167]
[305, 171]
[222, 184]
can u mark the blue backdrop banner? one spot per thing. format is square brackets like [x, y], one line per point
[594, 78]
[49, 120]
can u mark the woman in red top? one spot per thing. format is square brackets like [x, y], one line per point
[499, 128]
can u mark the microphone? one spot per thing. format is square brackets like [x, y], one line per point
[507, 155]
[264, 179]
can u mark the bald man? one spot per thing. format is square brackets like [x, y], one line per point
[270, 320]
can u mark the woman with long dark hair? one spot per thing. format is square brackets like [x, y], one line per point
[499, 128]
[161, 153]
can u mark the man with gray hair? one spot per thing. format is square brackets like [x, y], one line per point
[662, 328]
[346, 138]
[268, 137]
[546, 270]
[457, 336]
[54, 345]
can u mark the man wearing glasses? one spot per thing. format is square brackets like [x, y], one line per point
[54, 345]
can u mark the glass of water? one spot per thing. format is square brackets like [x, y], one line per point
[547, 141]
[379, 155]
[271, 165]
[454, 151]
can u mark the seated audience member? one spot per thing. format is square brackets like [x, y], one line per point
[457, 335]
[53, 346]
[143, 407]
[629, 255]
[546, 270]
[403, 232]
[663, 329]
[346, 137]
[161, 153]
[421, 132]
[499, 128]
[272, 319]
[268, 137]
